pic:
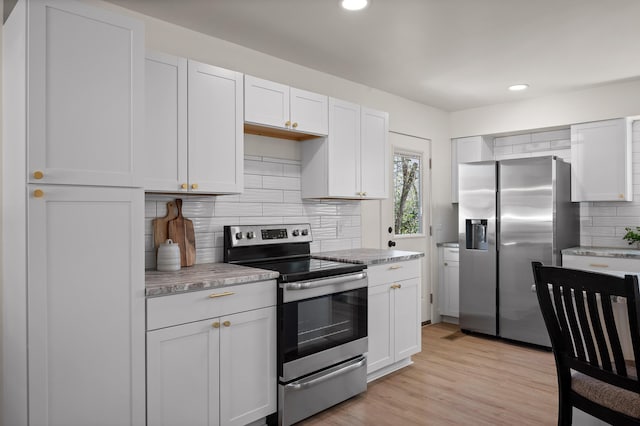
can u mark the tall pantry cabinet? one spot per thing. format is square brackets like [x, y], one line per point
[73, 209]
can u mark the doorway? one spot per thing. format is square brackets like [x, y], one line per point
[404, 216]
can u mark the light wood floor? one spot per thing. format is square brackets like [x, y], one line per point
[467, 380]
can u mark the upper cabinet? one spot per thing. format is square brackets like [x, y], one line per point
[275, 109]
[194, 136]
[85, 100]
[352, 162]
[601, 161]
[467, 150]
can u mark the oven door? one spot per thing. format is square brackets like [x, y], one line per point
[321, 323]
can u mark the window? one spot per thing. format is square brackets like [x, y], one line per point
[407, 192]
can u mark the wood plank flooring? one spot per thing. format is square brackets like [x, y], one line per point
[464, 380]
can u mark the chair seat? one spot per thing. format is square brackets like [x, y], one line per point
[610, 396]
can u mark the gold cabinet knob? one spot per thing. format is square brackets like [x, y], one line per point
[194, 186]
[294, 125]
[184, 186]
[364, 194]
[38, 174]
[288, 123]
[38, 193]
[226, 323]
[216, 324]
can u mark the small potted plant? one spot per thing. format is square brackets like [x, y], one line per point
[632, 236]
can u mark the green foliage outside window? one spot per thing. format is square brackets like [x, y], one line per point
[407, 195]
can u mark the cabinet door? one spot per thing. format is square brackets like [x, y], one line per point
[451, 288]
[601, 161]
[183, 375]
[407, 318]
[266, 102]
[309, 112]
[467, 150]
[374, 153]
[165, 153]
[380, 327]
[85, 95]
[344, 149]
[86, 305]
[247, 366]
[216, 136]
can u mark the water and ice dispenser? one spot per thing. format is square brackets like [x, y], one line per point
[476, 234]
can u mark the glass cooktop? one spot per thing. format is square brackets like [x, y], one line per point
[307, 268]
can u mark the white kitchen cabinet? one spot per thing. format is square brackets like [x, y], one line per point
[449, 300]
[394, 316]
[194, 141]
[215, 371]
[601, 263]
[85, 262]
[84, 84]
[353, 161]
[73, 226]
[601, 168]
[272, 104]
[467, 150]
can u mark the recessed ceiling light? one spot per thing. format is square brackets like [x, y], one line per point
[518, 87]
[354, 4]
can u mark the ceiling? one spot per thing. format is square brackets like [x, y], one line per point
[451, 54]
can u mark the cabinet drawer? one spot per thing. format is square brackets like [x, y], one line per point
[450, 254]
[396, 271]
[601, 264]
[182, 308]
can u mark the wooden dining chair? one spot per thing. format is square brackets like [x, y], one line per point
[593, 374]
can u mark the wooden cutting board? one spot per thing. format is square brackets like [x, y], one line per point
[181, 232]
[161, 224]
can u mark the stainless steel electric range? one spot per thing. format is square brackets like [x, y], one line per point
[322, 317]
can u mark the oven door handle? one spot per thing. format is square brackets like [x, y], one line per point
[303, 384]
[306, 285]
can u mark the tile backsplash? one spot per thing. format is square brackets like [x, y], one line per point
[601, 223]
[271, 196]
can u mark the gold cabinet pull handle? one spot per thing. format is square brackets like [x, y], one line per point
[288, 123]
[294, 125]
[364, 194]
[38, 174]
[599, 265]
[226, 293]
[226, 323]
[216, 324]
[396, 286]
[194, 186]
[38, 193]
[184, 186]
[395, 267]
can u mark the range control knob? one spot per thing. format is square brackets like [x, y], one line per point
[238, 235]
[305, 232]
[250, 235]
[295, 233]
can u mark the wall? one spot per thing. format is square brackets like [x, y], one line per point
[561, 110]
[271, 196]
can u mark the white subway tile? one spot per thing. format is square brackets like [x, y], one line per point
[262, 196]
[551, 135]
[628, 211]
[280, 160]
[356, 243]
[213, 224]
[291, 170]
[616, 221]
[148, 226]
[335, 244]
[586, 241]
[261, 220]
[191, 209]
[252, 157]
[238, 209]
[323, 233]
[150, 260]
[252, 181]
[318, 209]
[292, 197]
[281, 182]
[598, 230]
[531, 147]
[561, 143]
[512, 140]
[282, 209]
[609, 242]
[314, 247]
[313, 221]
[348, 232]
[150, 208]
[229, 198]
[209, 255]
[148, 243]
[348, 208]
[252, 167]
[503, 150]
[205, 239]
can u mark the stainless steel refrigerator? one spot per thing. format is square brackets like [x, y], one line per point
[511, 213]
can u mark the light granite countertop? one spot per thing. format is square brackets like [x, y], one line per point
[627, 253]
[368, 256]
[198, 277]
[450, 244]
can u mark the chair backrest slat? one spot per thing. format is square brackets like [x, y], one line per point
[562, 318]
[612, 332]
[585, 328]
[567, 295]
[603, 348]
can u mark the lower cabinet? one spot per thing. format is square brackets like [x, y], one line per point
[217, 371]
[449, 294]
[394, 316]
